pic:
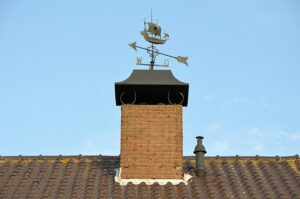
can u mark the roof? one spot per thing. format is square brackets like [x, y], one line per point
[152, 77]
[93, 177]
[152, 87]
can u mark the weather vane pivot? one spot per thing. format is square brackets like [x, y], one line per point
[152, 34]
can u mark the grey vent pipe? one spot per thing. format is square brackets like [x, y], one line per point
[200, 152]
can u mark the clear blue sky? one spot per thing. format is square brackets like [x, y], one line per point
[59, 61]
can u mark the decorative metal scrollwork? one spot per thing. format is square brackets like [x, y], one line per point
[128, 97]
[178, 99]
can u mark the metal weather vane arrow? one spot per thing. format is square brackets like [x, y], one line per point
[180, 59]
[152, 34]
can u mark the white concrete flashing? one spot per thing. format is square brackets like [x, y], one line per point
[185, 180]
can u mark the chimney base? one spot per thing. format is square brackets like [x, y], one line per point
[123, 182]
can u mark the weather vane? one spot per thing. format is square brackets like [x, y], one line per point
[152, 34]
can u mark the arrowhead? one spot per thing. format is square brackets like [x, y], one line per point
[133, 45]
[182, 60]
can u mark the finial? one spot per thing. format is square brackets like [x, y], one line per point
[152, 34]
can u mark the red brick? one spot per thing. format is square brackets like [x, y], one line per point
[151, 141]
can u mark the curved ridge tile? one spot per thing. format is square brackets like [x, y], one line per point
[234, 182]
[246, 180]
[8, 186]
[143, 190]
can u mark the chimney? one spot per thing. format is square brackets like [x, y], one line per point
[151, 124]
[200, 152]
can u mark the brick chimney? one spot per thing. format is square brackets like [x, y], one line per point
[151, 125]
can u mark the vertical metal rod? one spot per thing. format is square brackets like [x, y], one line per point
[152, 58]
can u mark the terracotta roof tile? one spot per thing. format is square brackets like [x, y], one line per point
[93, 177]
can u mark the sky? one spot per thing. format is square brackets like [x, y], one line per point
[59, 61]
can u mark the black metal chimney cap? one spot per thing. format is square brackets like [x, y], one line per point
[151, 87]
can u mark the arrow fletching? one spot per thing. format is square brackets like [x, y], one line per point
[182, 60]
[133, 45]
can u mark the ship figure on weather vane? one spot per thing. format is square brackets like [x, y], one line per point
[152, 34]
